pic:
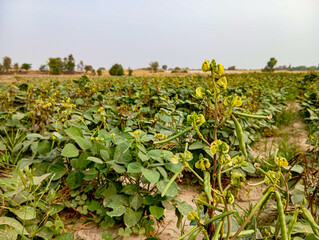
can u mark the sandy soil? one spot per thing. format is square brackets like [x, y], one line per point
[296, 130]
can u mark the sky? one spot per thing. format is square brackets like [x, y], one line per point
[183, 33]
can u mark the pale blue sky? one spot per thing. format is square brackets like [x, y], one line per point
[244, 33]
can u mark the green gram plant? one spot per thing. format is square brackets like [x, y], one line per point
[213, 214]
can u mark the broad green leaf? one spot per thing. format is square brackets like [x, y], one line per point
[44, 147]
[122, 153]
[197, 145]
[74, 132]
[83, 143]
[13, 223]
[131, 217]
[118, 209]
[70, 151]
[25, 212]
[172, 190]
[74, 179]
[151, 175]
[134, 167]
[65, 236]
[157, 212]
[136, 201]
[143, 156]
[95, 159]
[105, 155]
[58, 169]
[184, 208]
[130, 189]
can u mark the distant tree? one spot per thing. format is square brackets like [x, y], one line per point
[232, 68]
[26, 66]
[55, 65]
[43, 68]
[6, 63]
[93, 73]
[154, 65]
[270, 65]
[88, 68]
[116, 70]
[69, 63]
[99, 71]
[130, 71]
[164, 67]
[80, 66]
[1, 67]
[16, 66]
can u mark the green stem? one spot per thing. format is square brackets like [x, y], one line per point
[257, 206]
[195, 173]
[208, 205]
[175, 136]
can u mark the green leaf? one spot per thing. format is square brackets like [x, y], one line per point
[83, 143]
[44, 147]
[13, 223]
[250, 168]
[25, 212]
[93, 205]
[197, 145]
[105, 155]
[143, 156]
[74, 179]
[172, 190]
[118, 209]
[122, 153]
[107, 222]
[95, 159]
[156, 154]
[58, 169]
[136, 201]
[184, 208]
[151, 175]
[157, 212]
[134, 167]
[74, 132]
[130, 189]
[70, 151]
[131, 217]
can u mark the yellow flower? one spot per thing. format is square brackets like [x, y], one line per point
[199, 93]
[175, 159]
[92, 138]
[214, 146]
[205, 66]
[222, 82]
[237, 101]
[220, 69]
[281, 162]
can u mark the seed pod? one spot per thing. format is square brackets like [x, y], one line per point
[281, 217]
[292, 223]
[194, 235]
[207, 186]
[240, 136]
[313, 224]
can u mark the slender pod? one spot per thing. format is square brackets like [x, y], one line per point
[194, 235]
[292, 223]
[281, 217]
[175, 136]
[207, 186]
[240, 136]
[313, 224]
[171, 181]
[251, 115]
